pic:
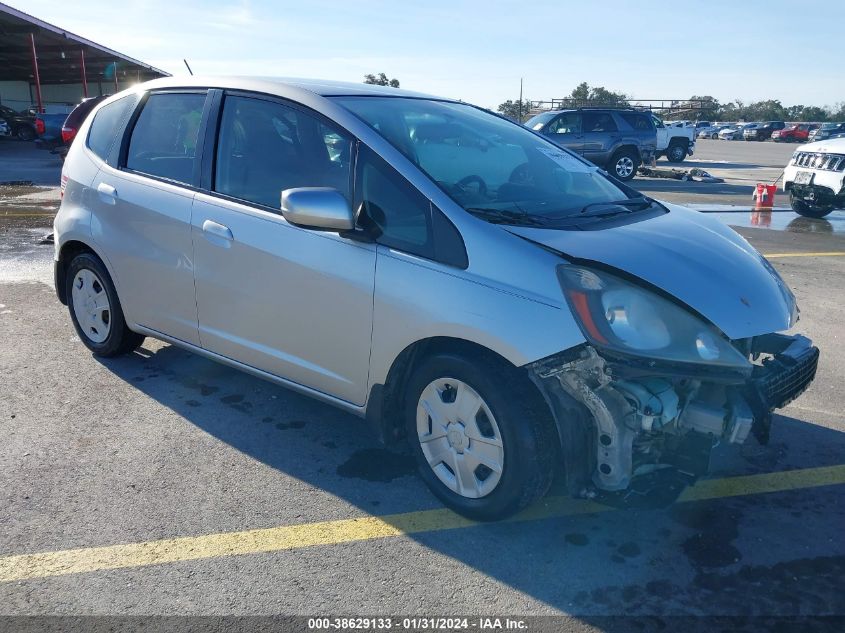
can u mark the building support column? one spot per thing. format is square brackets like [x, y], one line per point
[84, 77]
[38, 102]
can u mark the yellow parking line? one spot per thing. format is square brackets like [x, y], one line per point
[823, 254]
[292, 537]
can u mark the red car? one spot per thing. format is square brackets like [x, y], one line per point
[794, 133]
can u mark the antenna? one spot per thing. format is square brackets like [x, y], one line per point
[188, 66]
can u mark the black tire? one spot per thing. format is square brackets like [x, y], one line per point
[527, 429]
[624, 164]
[676, 152]
[120, 339]
[25, 133]
[809, 210]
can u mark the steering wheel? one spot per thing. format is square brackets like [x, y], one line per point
[521, 175]
[473, 178]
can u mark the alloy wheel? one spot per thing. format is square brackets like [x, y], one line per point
[624, 167]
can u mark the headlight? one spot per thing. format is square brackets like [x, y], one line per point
[618, 315]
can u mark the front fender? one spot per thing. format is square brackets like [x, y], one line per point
[417, 300]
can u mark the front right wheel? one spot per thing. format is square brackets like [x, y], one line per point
[482, 435]
[807, 209]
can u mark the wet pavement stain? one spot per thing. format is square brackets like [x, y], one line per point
[712, 545]
[296, 424]
[232, 398]
[193, 403]
[577, 539]
[629, 550]
[376, 464]
[267, 420]
[329, 444]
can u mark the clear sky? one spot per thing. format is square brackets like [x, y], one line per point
[478, 50]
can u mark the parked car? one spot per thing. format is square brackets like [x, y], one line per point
[48, 126]
[827, 130]
[815, 178]
[463, 283]
[795, 133]
[21, 124]
[619, 140]
[712, 132]
[735, 132]
[762, 131]
[675, 142]
[74, 120]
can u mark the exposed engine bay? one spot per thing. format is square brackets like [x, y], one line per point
[621, 419]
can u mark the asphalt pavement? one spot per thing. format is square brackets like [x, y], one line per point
[162, 483]
[742, 164]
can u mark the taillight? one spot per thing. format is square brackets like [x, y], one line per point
[63, 186]
[68, 134]
[39, 126]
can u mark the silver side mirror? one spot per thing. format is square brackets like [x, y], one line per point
[317, 208]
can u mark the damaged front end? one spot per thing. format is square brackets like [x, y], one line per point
[655, 388]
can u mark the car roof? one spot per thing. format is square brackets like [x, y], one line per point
[284, 86]
[593, 109]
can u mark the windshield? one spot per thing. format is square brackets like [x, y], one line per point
[538, 121]
[484, 162]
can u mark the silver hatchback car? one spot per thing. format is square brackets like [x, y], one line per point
[503, 306]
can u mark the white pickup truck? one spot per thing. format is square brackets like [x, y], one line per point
[675, 142]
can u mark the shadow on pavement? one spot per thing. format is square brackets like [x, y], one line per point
[775, 554]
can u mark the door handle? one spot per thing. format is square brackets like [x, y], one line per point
[217, 230]
[107, 193]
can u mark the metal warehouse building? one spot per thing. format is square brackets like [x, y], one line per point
[46, 67]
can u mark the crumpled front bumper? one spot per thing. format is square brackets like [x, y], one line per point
[779, 379]
[620, 419]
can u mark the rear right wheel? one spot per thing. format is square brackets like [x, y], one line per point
[95, 308]
[624, 164]
[676, 153]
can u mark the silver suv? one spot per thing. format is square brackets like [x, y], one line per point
[465, 285]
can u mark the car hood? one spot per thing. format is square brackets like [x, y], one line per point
[693, 257]
[831, 145]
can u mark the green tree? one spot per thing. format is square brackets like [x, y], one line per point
[584, 94]
[381, 80]
[705, 108]
[512, 109]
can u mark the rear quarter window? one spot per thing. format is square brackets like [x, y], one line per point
[637, 121]
[105, 126]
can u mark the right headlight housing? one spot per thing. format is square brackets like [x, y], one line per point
[621, 316]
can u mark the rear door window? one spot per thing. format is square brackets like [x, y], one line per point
[636, 120]
[599, 122]
[164, 139]
[105, 126]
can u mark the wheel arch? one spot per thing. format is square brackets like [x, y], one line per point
[66, 252]
[626, 145]
[386, 401]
